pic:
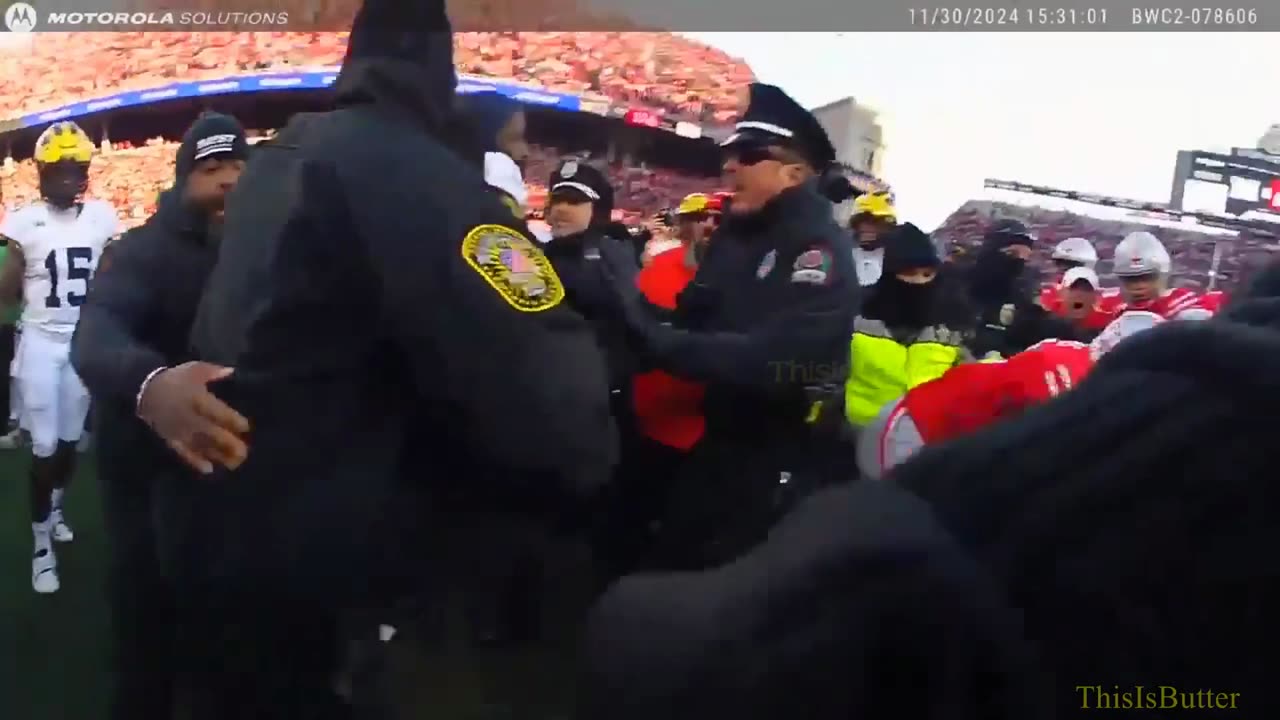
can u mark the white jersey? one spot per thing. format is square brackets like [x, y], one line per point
[868, 264]
[62, 249]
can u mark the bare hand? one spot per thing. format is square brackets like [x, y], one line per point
[198, 426]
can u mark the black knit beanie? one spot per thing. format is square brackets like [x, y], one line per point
[907, 247]
[211, 135]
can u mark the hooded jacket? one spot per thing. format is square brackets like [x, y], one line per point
[1003, 293]
[376, 296]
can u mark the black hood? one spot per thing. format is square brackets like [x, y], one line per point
[400, 57]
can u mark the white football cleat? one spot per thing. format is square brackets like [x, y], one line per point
[61, 530]
[44, 572]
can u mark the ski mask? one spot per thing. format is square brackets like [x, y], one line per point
[901, 302]
[995, 273]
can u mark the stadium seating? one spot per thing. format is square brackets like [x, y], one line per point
[1192, 251]
[131, 178]
[659, 71]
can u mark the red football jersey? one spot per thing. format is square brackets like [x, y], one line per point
[1213, 300]
[1170, 305]
[973, 395]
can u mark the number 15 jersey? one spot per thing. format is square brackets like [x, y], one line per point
[62, 249]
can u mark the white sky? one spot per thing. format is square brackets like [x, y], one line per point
[1097, 112]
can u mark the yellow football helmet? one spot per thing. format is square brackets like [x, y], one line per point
[63, 141]
[63, 152]
[877, 205]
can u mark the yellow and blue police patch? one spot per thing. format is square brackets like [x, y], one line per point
[513, 266]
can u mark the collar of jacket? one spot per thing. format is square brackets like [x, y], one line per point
[574, 244]
[177, 217]
[799, 205]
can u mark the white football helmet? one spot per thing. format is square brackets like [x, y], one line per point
[1141, 253]
[1076, 250]
[1127, 325]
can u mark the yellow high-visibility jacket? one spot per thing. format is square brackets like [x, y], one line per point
[882, 368]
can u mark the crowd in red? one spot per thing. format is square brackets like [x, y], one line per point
[1192, 250]
[659, 71]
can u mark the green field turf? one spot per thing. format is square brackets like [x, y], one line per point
[53, 649]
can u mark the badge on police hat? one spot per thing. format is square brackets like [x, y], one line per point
[569, 169]
[767, 264]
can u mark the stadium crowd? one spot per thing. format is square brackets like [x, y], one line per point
[662, 72]
[132, 178]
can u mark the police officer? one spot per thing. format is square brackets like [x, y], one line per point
[580, 213]
[765, 324]
[452, 325]
[130, 348]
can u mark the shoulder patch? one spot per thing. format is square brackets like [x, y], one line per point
[513, 266]
[813, 266]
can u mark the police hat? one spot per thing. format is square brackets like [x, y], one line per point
[773, 118]
[578, 180]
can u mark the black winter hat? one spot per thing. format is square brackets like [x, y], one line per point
[1128, 518]
[907, 247]
[211, 135]
[1008, 232]
[577, 181]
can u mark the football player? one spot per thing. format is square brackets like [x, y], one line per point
[1143, 265]
[54, 247]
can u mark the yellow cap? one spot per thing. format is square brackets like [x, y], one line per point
[877, 205]
[694, 203]
[63, 141]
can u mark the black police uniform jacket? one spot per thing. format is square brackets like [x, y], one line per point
[371, 285]
[577, 260]
[136, 319]
[766, 324]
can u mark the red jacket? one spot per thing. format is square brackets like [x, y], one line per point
[667, 409]
[973, 395]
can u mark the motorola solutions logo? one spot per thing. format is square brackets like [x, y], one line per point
[20, 18]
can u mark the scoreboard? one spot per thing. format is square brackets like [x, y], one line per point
[1250, 176]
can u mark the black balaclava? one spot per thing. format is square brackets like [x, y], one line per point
[996, 276]
[899, 303]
